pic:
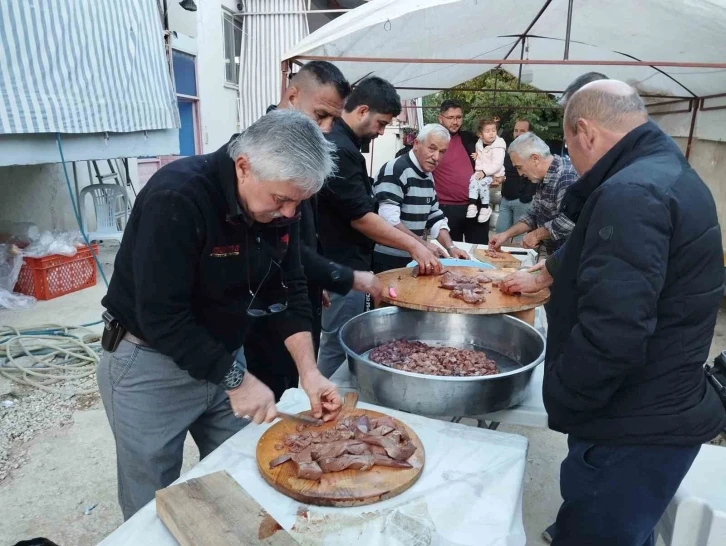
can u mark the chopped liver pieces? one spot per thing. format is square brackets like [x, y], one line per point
[469, 288]
[357, 443]
[415, 356]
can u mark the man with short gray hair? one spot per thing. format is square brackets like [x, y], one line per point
[211, 245]
[407, 200]
[553, 174]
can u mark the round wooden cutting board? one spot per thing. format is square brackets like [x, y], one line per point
[424, 294]
[346, 488]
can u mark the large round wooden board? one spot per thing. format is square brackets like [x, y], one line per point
[424, 294]
[346, 488]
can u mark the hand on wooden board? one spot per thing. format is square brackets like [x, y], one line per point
[426, 259]
[458, 253]
[325, 401]
[529, 281]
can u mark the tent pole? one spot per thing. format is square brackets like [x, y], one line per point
[569, 29]
[284, 68]
[548, 62]
[692, 129]
[521, 58]
[542, 91]
[526, 31]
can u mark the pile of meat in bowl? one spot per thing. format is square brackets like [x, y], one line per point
[356, 442]
[418, 357]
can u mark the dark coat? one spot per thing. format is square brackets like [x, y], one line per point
[635, 300]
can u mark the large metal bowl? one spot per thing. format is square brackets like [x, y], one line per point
[516, 347]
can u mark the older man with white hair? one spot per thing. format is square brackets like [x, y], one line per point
[407, 200]
[553, 174]
[632, 315]
[211, 245]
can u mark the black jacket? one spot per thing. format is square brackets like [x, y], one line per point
[469, 140]
[635, 300]
[188, 260]
[346, 197]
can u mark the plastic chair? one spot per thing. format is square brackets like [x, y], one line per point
[110, 204]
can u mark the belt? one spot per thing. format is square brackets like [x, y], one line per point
[135, 340]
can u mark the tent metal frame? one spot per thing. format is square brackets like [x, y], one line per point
[695, 103]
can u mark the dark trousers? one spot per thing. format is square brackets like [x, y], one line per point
[465, 229]
[615, 495]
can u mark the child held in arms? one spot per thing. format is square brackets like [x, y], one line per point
[489, 168]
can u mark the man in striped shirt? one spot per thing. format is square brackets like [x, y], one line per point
[407, 199]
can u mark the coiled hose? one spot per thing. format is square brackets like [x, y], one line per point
[55, 353]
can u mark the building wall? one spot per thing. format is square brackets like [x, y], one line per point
[217, 100]
[39, 194]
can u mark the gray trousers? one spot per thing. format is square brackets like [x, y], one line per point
[151, 404]
[510, 211]
[342, 308]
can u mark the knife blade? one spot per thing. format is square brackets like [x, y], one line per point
[302, 418]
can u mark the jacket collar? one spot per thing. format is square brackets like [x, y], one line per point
[343, 129]
[639, 142]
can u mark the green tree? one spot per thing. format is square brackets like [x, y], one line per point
[540, 109]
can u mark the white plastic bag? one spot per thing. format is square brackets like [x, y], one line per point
[54, 242]
[11, 261]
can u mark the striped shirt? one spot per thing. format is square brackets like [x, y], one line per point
[402, 183]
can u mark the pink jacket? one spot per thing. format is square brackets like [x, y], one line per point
[490, 159]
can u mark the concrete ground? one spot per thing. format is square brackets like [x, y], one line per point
[69, 469]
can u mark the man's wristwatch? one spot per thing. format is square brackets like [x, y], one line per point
[235, 376]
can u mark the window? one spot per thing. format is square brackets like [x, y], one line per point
[232, 47]
[184, 67]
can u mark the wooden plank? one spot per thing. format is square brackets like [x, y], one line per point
[507, 259]
[424, 294]
[346, 488]
[214, 510]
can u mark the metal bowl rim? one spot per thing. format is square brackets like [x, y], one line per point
[392, 310]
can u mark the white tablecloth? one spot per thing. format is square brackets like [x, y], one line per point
[470, 492]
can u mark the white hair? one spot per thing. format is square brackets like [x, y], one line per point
[529, 144]
[433, 129]
[286, 145]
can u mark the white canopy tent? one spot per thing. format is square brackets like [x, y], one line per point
[665, 48]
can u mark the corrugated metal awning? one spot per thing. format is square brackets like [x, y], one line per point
[265, 38]
[83, 66]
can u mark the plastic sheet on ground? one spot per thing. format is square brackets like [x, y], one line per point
[470, 492]
[11, 261]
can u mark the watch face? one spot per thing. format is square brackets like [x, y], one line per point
[234, 376]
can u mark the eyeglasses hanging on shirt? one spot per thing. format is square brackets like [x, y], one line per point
[272, 309]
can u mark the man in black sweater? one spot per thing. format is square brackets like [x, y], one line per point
[319, 91]
[631, 321]
[349, 225]
[517, 190]
[212, 244]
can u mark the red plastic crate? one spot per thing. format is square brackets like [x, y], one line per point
[53, 276]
